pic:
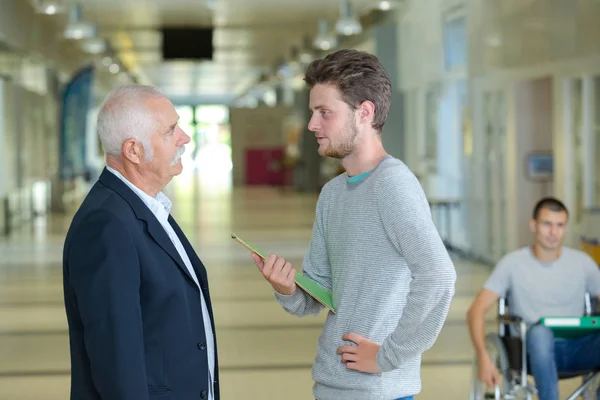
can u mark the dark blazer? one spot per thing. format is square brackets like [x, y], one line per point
[135, 318]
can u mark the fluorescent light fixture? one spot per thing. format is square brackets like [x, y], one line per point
[76, 28]
[94, 46]
[78, 31]
[305, 56]
[48, 7]
[324, 41]
[384, 5]
[348, 24]
[493, 41]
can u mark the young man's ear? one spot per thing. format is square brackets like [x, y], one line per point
[366, 112]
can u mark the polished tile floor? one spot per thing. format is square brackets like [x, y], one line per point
[264, 353]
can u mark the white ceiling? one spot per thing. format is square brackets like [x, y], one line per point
[251, 37]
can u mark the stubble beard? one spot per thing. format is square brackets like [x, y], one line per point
[347, 146]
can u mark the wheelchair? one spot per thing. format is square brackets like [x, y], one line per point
[508, 352]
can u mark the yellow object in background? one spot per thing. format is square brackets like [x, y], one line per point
[589, 232]
[591, 247]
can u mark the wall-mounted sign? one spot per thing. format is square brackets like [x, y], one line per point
[539, 166]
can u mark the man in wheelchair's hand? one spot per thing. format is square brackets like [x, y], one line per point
[488, 373]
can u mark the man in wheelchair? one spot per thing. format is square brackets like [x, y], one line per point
[542, 280]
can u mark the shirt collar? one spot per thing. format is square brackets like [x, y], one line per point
[158, 205]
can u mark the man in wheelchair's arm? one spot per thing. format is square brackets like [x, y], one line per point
[546, 279]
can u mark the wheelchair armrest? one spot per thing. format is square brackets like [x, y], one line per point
[509, 319]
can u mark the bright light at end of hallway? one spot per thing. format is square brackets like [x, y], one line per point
[211, 168]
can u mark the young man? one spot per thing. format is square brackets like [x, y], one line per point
[545, 279]
[136, 294]
[374, 245]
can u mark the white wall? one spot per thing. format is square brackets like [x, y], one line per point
[533, 34]
[534, 131]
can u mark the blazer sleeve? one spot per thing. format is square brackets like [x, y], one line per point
[104, 274]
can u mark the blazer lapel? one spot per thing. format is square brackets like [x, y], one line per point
[159, 235]
[142, 212]
[196, 263]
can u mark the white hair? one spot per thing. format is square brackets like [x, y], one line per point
[124, 116]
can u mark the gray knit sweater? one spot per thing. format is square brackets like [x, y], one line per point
[375, 246]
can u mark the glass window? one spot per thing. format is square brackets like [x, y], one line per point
[431, 131]
[455, 42]
[577, 132]
[596, 136]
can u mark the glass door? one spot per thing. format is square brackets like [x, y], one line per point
[487, 179]
[582, 158]
[494, 138]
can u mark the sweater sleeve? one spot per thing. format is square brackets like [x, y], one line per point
[406, 217]
[315, 266]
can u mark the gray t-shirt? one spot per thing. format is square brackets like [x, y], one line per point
[535, 290]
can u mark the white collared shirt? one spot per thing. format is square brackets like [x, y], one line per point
[161, 207]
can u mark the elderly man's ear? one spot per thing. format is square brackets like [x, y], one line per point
[133, 151]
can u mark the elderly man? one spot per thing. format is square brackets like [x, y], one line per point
[136, 294]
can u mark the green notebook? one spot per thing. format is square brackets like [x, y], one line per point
[572, 327]
[318, 292]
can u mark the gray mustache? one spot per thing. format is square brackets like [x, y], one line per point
[178, 155]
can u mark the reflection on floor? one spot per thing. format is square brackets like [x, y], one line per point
[264, 353]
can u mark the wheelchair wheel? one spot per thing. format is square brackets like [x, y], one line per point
[590, 392]
[497, 352]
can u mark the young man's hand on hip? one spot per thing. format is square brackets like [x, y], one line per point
[363, 356]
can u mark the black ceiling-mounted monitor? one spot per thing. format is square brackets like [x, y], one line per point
[181, 43]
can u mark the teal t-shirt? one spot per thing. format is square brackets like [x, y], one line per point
[353, 179]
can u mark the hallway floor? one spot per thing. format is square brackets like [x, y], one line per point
[264, 353]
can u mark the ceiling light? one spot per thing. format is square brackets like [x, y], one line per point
[305, 55]
[76, 28]
[324, 41]
[384, 5]
[348, 24]
[493, 41]
[48, 7]
[77, 32]
[94, 46]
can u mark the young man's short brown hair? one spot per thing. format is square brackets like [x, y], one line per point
[359, 76]
[549, 203]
